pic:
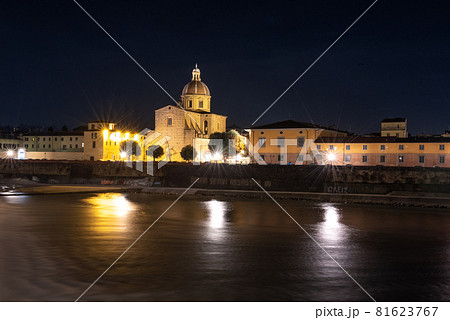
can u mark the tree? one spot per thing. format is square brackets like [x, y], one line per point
[231, 136]
[64, 128]
[155, 151]
[50, 129]
[188, 153]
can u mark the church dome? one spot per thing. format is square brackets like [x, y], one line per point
[196, 86]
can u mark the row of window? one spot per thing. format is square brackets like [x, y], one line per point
[382, 159]
[50, 139]
[280, 142]
[64, 147]
[301, 141]
[383, 147]
[401, 159]
[200, 104]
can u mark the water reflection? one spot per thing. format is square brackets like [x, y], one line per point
[109, 211]
[111, 204]
[216, 211]
[331, 230]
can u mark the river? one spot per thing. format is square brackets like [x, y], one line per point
[54, 246]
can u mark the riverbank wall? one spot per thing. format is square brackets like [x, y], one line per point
[290, 178]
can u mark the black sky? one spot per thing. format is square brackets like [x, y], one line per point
[57, 67]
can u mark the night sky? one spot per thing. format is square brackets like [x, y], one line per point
[57, 67]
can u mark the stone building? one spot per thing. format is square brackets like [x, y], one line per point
[191, 119]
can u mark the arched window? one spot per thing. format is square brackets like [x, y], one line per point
[200, 104]
[205, 125]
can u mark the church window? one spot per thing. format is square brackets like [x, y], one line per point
[205, 124]
[200, 104]
[169, 121]
[190, 103]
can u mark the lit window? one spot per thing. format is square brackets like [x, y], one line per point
[400, 159]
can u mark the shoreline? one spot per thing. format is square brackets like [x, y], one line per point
[396, 199]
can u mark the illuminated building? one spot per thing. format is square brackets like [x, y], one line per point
[269, 140]
[394, 127]
[63, 145]
[195, 121]
[284, 143]
[428, 151]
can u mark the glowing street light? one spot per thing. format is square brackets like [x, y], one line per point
[123, 155]
[10, 153]
[331, 157]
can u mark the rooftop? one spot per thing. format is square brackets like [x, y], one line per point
[292, 124]
[360, 139]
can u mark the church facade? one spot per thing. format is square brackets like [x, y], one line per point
[191, 119]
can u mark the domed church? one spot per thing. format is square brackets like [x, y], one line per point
[191, 119]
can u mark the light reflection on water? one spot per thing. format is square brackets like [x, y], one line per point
[54, 246]
[331, 231]
[109, 211]
[216, 214]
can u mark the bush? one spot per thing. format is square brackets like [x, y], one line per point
[188, 153]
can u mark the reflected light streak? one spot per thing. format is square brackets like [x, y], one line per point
[216, 212]
[111, 204]
[331, 229]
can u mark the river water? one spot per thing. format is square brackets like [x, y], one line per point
[54, 246]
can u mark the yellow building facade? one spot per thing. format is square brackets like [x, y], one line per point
[386, 151]
[283, 142]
